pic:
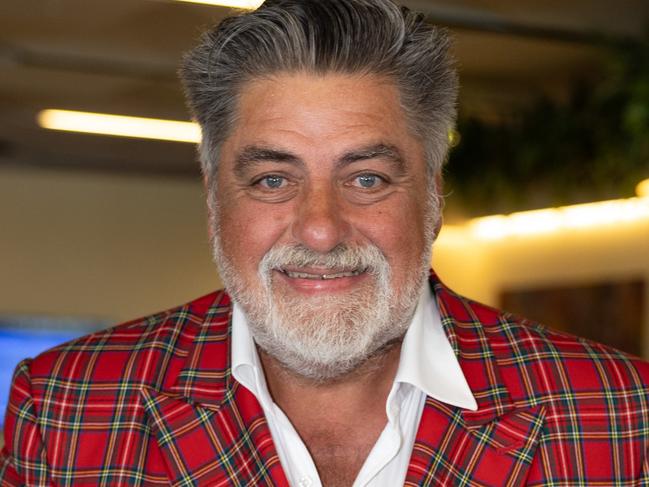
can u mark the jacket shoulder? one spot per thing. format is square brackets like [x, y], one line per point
[540, 364]
[135, 349]
[565, 367]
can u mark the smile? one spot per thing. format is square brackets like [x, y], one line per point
[321, 277]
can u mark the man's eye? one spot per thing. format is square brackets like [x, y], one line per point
[368, 181]
[272, 182]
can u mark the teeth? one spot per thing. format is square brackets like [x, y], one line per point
[340, 274]
[302, 275]
[305, 275]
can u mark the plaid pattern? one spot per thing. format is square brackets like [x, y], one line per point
[153, 402]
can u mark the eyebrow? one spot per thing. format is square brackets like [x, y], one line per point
[253, 155]
[375, 151]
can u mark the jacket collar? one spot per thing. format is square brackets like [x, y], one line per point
[493, 445]
[210, 430]
[205, 377]
[468, 335]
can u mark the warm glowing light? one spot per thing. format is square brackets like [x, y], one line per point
[243, 4]
[454, 138]
[552, 220]
[642, 189]
[490, 227]
[119, 125]
[453, 235]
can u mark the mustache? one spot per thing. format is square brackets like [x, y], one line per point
[341, 257]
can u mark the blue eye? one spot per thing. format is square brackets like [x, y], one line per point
[272, 181]
[368, 180]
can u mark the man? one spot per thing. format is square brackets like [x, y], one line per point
[334, 359]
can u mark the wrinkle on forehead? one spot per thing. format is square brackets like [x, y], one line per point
[363, 99]
[300, 117]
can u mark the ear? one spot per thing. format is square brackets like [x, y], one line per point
[439, 182]
[209, 181]
[439, 186]
[210, 225]
[209, 203]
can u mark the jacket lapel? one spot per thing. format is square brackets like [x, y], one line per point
[492, 446]
[209, 429]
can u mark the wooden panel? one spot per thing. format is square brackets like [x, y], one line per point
[608, 312]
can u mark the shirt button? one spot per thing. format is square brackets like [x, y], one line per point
[305, 482]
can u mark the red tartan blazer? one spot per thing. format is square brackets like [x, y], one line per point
[153, 402]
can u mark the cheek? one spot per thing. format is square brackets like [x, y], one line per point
[399, 232]
[248, 231]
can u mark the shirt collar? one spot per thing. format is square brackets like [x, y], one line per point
[427, 360]
[246, 366]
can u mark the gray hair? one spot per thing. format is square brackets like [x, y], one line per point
[320, 36]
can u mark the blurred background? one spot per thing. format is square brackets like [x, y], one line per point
[545, 215]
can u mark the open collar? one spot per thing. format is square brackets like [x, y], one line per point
[427, 359]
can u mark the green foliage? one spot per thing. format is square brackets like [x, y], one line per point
[595, 146]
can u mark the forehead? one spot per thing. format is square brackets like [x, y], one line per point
[323, 113]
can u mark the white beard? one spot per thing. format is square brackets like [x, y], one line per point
[322, 338]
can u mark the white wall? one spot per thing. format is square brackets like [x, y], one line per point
[91, 245]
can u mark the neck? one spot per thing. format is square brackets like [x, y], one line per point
[365, 390]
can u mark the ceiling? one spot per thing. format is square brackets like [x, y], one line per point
[120, 57]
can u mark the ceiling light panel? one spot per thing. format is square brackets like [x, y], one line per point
[119, 125]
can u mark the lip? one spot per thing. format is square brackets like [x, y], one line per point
[323, 273]
[312, 286]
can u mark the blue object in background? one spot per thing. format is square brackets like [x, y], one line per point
[22, 337]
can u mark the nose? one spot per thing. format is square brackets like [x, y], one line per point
[320, 223]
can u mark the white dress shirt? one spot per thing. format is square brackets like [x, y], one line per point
[427, 366]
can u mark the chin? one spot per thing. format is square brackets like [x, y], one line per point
[325, 338]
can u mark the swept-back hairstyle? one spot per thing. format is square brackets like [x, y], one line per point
[319, 36]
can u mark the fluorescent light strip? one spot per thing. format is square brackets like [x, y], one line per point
[243, 4]
[119, 125]
[553, 220]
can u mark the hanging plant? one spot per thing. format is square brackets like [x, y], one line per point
[595, 146]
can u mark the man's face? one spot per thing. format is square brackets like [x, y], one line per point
[323, 221]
